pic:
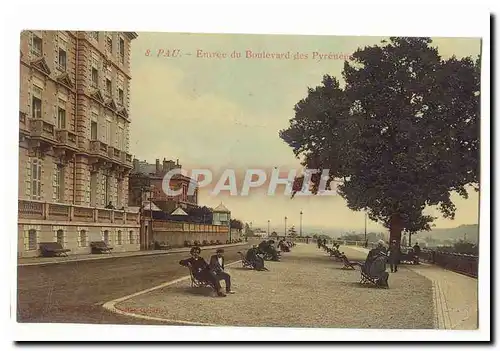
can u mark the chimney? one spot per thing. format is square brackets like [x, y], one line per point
[136, 164]
[157, 165]
[165, 168]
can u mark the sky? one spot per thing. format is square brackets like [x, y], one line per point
[212, 110]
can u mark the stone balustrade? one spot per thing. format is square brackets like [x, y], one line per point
[39, 210]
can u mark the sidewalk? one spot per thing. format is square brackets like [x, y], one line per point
[454, 296]
[35, 261]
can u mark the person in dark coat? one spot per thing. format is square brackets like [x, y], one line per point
[217, 267]
[394, 256]
[253, 257]
[201, 270]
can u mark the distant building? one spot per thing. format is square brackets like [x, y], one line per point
[146, 183]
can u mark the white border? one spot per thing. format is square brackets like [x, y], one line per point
[425, 18]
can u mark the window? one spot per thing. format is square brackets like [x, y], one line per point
[108, 132]
[37, 47]
[60, 237]
[93, 189]
[120, 96]
[36, 107]
[95, 77]
[119, 237]
[131, 237]
[95, 35]
[61, 118]
[108, 87]
[32, 240]
[62, 59]
[106, 190]
[83, 238]
[105, 237]
[36, 179]
[109, 44]
[119, 193]
[93, 130]
[58, 183]
[121, 144]
[121, 48]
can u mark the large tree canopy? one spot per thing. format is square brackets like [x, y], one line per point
[401, 135]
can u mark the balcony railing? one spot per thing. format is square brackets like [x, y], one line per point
[67, 138]
[38, 210]
[42, 129]
[169, 226]
[126, 159]
[99, 148]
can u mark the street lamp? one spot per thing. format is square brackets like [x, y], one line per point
[268, 224]
[366, 219]
[300, 232]
[285, 225]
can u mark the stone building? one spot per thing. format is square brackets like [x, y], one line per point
[150, 176]
[74, 154]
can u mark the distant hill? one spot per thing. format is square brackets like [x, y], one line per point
[468, 231]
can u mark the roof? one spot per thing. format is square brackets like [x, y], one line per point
[221, 208]
[179, 212]
[149, 205]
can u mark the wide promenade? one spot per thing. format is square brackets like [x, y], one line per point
[306, 289]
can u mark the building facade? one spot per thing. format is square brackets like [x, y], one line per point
[74, 126]
[150, 176]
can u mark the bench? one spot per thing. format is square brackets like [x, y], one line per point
[196, 283]
[51, 249]
[366, 278]
[244, 262]
[161, 246]
[99, 247]
[348, 264]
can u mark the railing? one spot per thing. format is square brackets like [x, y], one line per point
[168, 226]
[39, 210]
[97, 147]
[460, 263]
[42, 129]
[66, 137]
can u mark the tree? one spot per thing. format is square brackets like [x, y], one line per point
[236, 224]
[292, 232]
[401, 135]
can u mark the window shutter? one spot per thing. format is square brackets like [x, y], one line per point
[56, 52]
[28, 178]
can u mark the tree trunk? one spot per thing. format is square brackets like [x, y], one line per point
[395, 228]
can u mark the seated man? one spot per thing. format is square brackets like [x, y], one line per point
[284, 246]
[217, 267]
[377, 269]
[253, 257]
[266, 248]
[201, 270]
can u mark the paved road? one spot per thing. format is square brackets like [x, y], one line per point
[73, 292]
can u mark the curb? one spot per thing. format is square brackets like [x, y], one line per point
[139, 253]
[111, 305]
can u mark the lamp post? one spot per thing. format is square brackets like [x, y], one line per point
[268, 227]
[366, 219]
[285, 225]
[300, 231]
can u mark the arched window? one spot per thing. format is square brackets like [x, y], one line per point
[83, 238]
[119, 237]
[60, 237]
[131, 237]
[32, 240]
[105, 237]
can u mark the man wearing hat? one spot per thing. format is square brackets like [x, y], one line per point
[217, 267]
